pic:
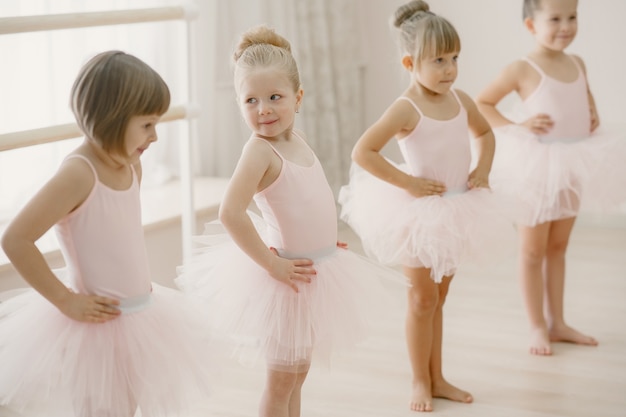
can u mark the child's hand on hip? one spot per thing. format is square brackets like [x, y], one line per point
[289, 270]
[422, 187]
[89, 308]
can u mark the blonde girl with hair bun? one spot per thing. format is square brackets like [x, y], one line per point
[435, 211]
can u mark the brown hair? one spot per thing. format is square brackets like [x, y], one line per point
[529, 8]
[421, 33]
[262, 47]
[109, 90]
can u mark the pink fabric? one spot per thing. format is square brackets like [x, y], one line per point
[267, 319]
[120, 268]
[439, 149]
[435, 232]
[556, 175]
[157, 355]
[299, 197]
[566, 103]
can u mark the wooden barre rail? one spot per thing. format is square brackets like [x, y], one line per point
[21, 24]
[57, 133]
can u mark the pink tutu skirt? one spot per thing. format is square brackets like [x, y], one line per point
[157, 358]
[553, 180]
[264, 318]
[436, 232]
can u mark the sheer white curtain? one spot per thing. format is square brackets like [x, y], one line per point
[37, 72]
[325, 39]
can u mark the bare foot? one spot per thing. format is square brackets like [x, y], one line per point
[540, 342]
[421, 397]
[443, 389]
[567, 334]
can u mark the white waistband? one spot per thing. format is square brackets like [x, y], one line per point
[135, 304]
[544, 139]
[454, 191]
[311, 255]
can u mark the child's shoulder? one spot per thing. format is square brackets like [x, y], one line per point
[519, 67]
[78, 164]
[578, 60]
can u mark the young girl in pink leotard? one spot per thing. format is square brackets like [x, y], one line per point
[106, 340]
[286, 290]
[552, 159]
[435, 211]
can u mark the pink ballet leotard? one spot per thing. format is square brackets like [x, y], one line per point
[439, 149]
[555, 174]
[156, 355]
[435, 232]
[566, 103]
[264, 317]
[299, 209]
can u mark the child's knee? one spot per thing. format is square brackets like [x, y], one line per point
[421, 303]
[282, 384]
[557, 247]
[533, 255]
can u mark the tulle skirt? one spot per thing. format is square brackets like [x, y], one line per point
[436, 232]
[158, 359]
[558, 179]
[265, 319]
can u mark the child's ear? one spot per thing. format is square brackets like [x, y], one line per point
[407, 63]
[530, 25]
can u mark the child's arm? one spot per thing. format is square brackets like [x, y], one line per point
[521, 78]
[398, 118]
[595, 118]
[485, 141]
[251, 171]
[69, 187]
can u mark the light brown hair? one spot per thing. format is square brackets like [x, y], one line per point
[422, 33]
[262, 47]
[109, 90]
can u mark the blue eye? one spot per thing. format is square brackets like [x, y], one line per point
[251, 100]
[274, 97]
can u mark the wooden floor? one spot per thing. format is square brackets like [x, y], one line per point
[485, 350]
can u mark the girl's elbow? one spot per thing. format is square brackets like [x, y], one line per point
[10, 244]
[224, 215]
[358, 155]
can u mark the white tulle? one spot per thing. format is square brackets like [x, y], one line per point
[436, 232]
[558, 179]
[159, 359]
[266, 319]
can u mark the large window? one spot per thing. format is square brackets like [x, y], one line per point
[36, 75]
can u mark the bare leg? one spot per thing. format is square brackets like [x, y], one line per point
[296, 395]
[440, 387]
[532, 253]
[277, 394]
[422, 303]
[558, 240]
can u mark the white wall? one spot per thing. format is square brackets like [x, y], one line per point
[492, 35]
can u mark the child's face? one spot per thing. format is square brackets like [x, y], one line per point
[140, 133]
[555, 24]
[268, 101]
[438, 73]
